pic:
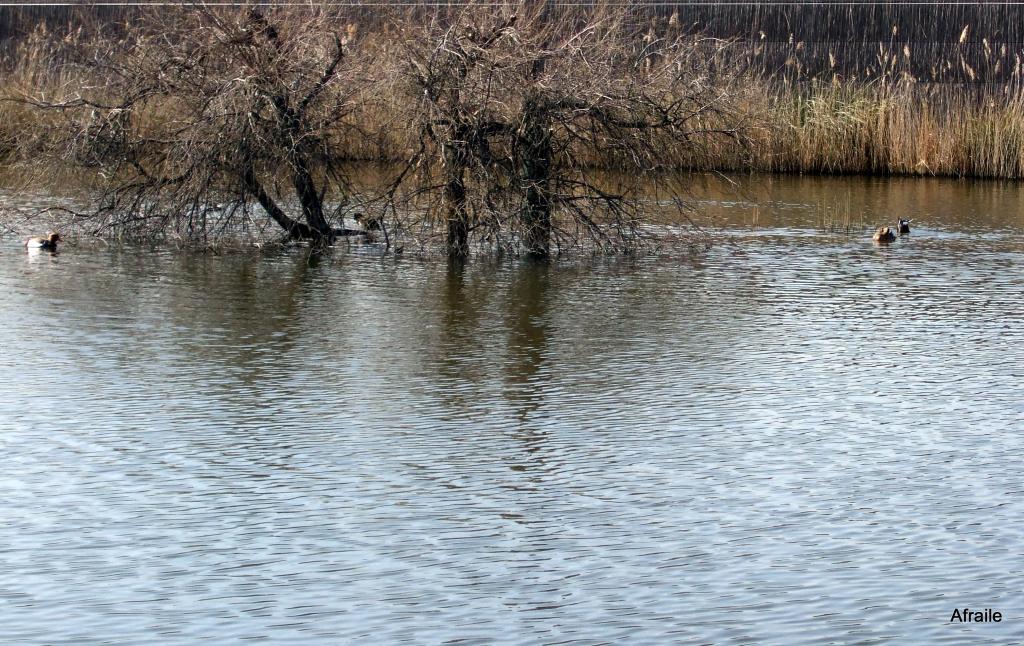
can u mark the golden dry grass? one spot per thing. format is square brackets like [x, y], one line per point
[879, 120]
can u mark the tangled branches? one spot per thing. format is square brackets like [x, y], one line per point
[516, 108]
[201, 115]
[507, 114]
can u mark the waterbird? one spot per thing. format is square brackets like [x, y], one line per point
[884, 234]
[904, 226]
[370, 224]
[49, 242]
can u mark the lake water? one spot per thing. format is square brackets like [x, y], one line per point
[798, 437]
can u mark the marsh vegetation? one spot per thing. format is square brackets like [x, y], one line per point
[200, 121]
[497, 123]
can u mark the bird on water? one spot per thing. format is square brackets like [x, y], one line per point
[49, 242]
[368, 223]
[884, 234]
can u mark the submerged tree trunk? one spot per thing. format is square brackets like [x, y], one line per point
[536, 152]
[295, 229]
[294, 125]
[457, 242]
[312, 205]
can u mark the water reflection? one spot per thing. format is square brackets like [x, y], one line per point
[36, 254]
[796, 438]
[791, 202]
[527, 305]
[460, 336]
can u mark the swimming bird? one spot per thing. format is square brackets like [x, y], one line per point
[368, 223]
[49, 242]
[904, 226]
[884, 234]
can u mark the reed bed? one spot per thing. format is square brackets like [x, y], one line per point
[927, 89]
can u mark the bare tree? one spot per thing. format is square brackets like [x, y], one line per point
[203, 121]
[199, 115]
[516, 105]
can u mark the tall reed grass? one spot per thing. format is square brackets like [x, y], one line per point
[34, 66]
[894, 103]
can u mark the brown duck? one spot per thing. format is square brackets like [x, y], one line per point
[49, 242]
[368, 223]
[884, 234]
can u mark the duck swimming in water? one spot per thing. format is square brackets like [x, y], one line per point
[884, 234]
[904, 226]
[368, 223]
[49, 242]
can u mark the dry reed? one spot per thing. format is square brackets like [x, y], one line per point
[900, 102]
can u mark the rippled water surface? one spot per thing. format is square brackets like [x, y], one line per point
[799, 437]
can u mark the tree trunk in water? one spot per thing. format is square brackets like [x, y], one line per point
[295, 229]
[298, 159]
[312, 207]
[457, 243]
[458, 224]
[536, 176]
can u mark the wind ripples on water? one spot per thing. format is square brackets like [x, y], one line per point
[792, 439]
